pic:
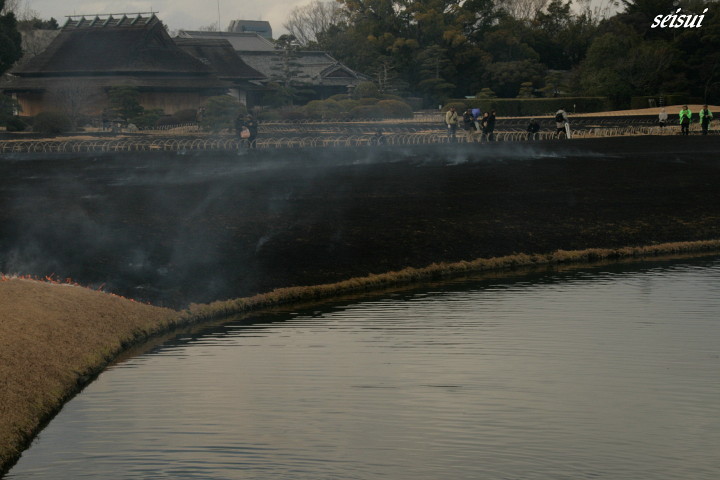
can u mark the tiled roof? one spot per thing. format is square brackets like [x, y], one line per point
[314, 68]
[113, 46]
[219, 55]
[109, 20]
[246, 42]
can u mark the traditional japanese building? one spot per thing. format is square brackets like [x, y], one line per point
[315, 70]
[91, 55]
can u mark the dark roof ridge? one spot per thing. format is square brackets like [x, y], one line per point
[109, 20]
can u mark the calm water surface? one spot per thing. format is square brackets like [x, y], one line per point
[609, 373]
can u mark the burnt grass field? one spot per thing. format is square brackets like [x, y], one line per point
[172, 229]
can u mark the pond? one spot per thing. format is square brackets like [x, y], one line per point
[609, 372]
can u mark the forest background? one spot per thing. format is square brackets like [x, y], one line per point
[438, 50]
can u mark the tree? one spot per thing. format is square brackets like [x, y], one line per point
[73, 99]
[436, 69]
[125, 102]
[505, 78]
[306, 23]
[526, 90]
[366, 90]
[287, 77]
[8, 107]
[701, 61]
[524, 9]
[10, 39]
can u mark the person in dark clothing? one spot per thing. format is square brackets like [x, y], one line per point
[246, 127]
[484, 125]
[685, 119]
[251, 125]
[533, 128]
[468, 123]
[378, 138]
[706, 117]
[491, 126]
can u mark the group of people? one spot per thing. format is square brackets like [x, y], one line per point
[473, 121]
[685, 118]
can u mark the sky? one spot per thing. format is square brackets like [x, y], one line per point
[176, 14]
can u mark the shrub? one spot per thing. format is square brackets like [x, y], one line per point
[221, 112]
[387, 96]
[367, 101]
[293, 114]
[51, 123]
[365, 112]
[459, 106]
[187, 115]
[395, 109]
[672, 99]
[15, 124]
[339, 96]
[148, 119]
[321, 109]
[348, 105]
[366, 90]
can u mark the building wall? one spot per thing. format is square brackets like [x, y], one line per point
[171, 102]
[93, 103]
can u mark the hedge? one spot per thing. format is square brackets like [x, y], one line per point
[671, 99]
[534, 106]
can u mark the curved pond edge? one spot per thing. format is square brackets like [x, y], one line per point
[287, 297]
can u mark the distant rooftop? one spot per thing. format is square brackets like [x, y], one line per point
[261, 27]
[242, 42]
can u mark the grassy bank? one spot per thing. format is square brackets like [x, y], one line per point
[55, 338]
[435, 271]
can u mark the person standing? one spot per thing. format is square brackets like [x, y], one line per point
[252, 125]
[706, 117]
[484, 125]
[491, 126]
[451, 120]
[477, 117]
[562, 123]
[468, 123]
[533, 128]
[685, 119]
[662, 118]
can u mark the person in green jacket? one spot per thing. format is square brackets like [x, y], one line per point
[685, 119]
[705, 117]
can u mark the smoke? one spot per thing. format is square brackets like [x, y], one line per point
[174, 229]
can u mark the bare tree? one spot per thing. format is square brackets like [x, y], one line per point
[306, 22]
[213, 27]
[524, 9]
[35, 41]
[21, 9]
[75, 100]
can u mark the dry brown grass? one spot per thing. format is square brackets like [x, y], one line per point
[437, 270]
[52, 339]
[56, 337]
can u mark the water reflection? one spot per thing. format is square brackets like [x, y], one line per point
[592, 374]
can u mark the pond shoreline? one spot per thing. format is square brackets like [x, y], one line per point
[71, 311]
[201, 238]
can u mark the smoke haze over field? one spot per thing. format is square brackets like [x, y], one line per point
[175, 229]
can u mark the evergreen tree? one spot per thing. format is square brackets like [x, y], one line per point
[10, 40]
